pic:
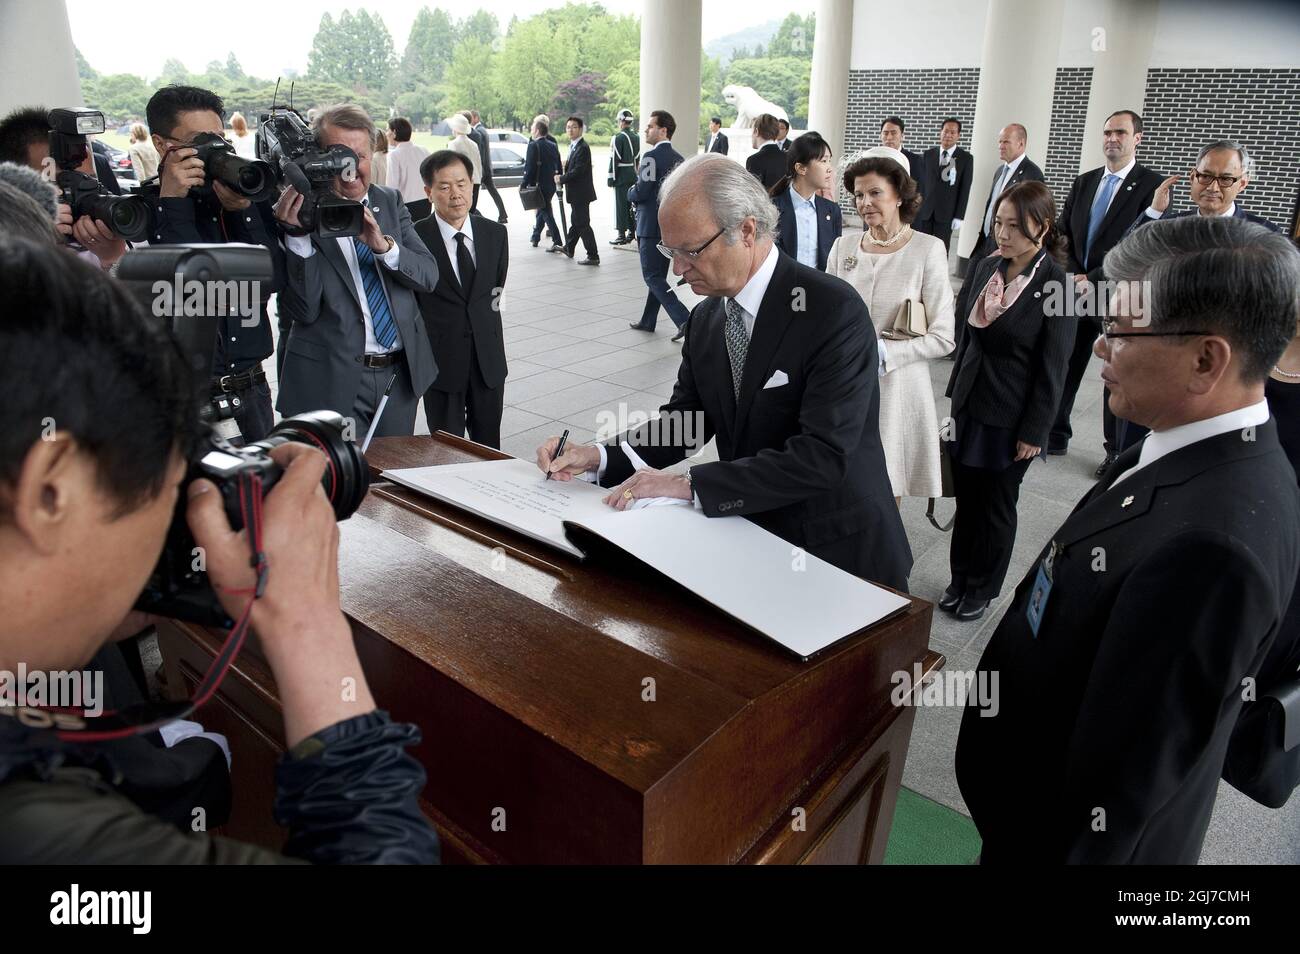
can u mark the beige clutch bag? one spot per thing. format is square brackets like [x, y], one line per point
[908, 323]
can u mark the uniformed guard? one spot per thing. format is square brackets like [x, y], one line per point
[623, 151]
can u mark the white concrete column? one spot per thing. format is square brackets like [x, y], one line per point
[1022, 40]
[670, 66]
[37, 64]
[828, 93]
[1121, 46]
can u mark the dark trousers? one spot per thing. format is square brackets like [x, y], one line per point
[419, 209]
[984, 529]
[496, 197]
[1084, 337]
[654, 269]
[940, 230]
[252, 411]
[545, 217]
[580, 228]
[398, 419]
[478, 405]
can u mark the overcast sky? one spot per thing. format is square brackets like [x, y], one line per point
[270, 37]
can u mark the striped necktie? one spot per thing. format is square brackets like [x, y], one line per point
[381, 316]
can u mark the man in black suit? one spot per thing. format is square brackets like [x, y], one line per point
[779, 364]
[783, 134]
[891, 135]
[462, 312]
[1223, 170]
[580, 189]
[1014, 169]
[768, 163]
[479, 133]
[541, 166]
[945, 184]
[1121, 661]
[1101, 206]
[657, 163]
[717, 138]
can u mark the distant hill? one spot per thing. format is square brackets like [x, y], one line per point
[749, 37]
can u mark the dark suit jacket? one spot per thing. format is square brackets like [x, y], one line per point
[479, 135]
[542, 165]
[1169, 593]
[914, 162]
[1011, 373]
[457, 317]
[1237, 213]
[655, 165]
[1027, 171]
[579, 187]
[802, 460]
[768, 165]
[1130, 198]
[940, 201]
[720, 144]
[830, 223]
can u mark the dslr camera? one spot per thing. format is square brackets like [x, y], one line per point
[128, 216]
[253, 179]
[286, 142]
[179, 587]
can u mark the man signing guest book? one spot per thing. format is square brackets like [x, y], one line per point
[776, 365]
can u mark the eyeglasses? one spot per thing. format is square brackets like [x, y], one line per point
[1225, 182]
[1109, 323]
[692, 255]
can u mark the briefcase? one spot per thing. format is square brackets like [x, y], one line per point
[531, 197]
[909, 322]
[948, 489]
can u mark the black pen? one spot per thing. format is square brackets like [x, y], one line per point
[559, 449]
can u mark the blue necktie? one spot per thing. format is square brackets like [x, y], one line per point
[381, 316]
[1099, 207]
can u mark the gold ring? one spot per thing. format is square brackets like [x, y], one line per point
[627, 495]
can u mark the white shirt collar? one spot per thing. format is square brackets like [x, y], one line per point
[1123, 173]
[449, 234]
[1014, 164]
[751, 296]
[1226, 214]
[796, 199]
[1159, 443]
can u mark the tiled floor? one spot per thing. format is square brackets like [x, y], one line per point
[575, 364]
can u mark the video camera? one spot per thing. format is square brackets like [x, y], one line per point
[286, 141]
[128, 216]
[178, 586]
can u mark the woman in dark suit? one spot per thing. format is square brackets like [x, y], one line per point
[1010, 369]
[810, 223]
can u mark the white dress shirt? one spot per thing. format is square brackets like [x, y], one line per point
[1159, 443]
[449, 234]
[1227, 213]
[404, 171]
[302, 246]
[1101, 183]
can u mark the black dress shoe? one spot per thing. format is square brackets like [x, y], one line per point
[1105, 466]
[951, 597]
[534, 243]
[569, 251]
[1057, 451]
[502, 219]
[681, 333]
[588, 261]
[637, 326]
[556, 248]
[970, 608]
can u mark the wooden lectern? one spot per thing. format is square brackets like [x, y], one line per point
[584, 711]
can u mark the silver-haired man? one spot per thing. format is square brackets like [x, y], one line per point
[1222, 172]
[779, 365]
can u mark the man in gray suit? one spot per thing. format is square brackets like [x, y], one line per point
[356, 323]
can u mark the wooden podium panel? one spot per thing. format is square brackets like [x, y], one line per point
[585, 711]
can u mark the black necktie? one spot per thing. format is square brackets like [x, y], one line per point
[464, 263]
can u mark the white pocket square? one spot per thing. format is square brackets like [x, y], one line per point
[777, 379]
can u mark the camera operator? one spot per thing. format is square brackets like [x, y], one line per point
[84, 509]
[188, 213]
[25, 139]
[356, 324]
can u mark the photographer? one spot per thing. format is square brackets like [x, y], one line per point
[25, 139]
[84, 509]
[191, 207]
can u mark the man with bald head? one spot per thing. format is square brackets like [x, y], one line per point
[779, 364]
[1014, 169]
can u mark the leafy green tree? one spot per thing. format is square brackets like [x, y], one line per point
[533, 62]
[479, 25]
[471, 82]
[234, 72]
[174, 71]
[84, 70]
[121, 97]
[429, 48]
[783, 80]
[356, 51]
[794, 37]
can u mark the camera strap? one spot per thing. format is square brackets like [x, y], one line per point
[70, 725]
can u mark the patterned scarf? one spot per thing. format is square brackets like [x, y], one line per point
[999, 295]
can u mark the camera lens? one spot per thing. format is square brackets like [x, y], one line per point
[347, 476]
[338, 219]
[127, 215]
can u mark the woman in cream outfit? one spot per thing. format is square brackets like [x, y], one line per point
[461, 143]
[889, 264]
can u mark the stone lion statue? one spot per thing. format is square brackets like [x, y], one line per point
[749, 105]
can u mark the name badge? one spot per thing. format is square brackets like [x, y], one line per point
[1042, 589]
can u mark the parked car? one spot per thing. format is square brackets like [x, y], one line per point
[506, 135]
[507, 162]
[121, 164]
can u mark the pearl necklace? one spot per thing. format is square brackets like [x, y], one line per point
[1286, 374]
[885, 243]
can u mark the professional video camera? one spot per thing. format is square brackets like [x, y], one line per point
[254, 179]
[128, 216]
[286, 141]
[179, 587]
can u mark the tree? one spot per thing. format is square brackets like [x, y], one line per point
[354, 51]
[174, 71]
[429, 48]
[471, 83]
[84, 70]
[479, 25]
[711, 101]
[532, 63]
[233, 70]
[577, 97]
[783, 80]
[121, 97]
[794, 37]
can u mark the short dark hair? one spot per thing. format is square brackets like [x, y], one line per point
[803, 150]
[401, 128]
[783, 122]
[894, 121]
[903, 183]
[164, 108]
[440, 160]
[543, 127]
[767, 127]
[578, 120]
[665, 120]
[952, 119]
[716, 119]
[77, 349]
[19, 130]
[1137, 120]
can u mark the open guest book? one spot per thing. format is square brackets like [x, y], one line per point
[792, 597]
